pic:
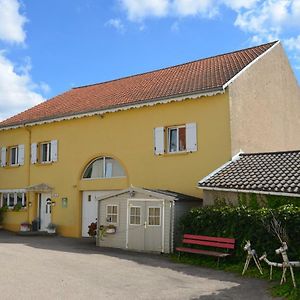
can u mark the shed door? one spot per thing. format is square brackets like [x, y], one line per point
[90, 209]
[136, 231]
[145, 225]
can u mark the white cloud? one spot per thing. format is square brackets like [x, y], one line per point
[293, 43]
[11, 22]
[206, 8]
[270, 18]
[137, 10]
[117, 24]
[17, 90]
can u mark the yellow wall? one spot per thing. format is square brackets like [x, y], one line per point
[128, 137]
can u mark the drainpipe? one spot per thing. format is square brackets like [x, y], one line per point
[28, 173]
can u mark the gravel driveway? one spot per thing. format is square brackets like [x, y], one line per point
[67, 268]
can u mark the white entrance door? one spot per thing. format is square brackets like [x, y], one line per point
[44, 210]
[89, 209]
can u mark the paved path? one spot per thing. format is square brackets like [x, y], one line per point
[66, 268]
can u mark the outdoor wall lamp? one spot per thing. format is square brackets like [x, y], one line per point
[29, 203]
[53, 203]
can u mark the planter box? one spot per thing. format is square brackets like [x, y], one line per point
[24, 228]
[51, 231]
[110, 230]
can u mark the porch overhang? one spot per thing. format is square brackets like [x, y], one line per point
[40, 188]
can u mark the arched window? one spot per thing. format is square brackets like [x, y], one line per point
[104, 167]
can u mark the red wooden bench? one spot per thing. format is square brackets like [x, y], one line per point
[208, 241]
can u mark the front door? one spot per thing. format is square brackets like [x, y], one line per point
[145, 225]
[90, 208]
[44, 210]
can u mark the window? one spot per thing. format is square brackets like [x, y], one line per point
[176, 139]
[104, 167]
[12, 198]
[13, 156]
[154, 216]
[135, 215]
[112, 214]
[45, 154]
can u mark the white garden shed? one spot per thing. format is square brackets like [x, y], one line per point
[142, 219]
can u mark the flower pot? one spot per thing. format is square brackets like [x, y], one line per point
[51, 230]
[24, 228]
[110, 230]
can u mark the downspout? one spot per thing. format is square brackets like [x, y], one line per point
[28, 172]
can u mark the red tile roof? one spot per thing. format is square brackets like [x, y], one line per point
[272, 172]
[199, 76]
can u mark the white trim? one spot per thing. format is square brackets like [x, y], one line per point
[234, 158]
[127, 224]
[249, 65]
[120, 108]
[113, 223]
[135, 206]
[156, 194]
[160, 216]
[250, 191]
[163, 228]
[13, 191]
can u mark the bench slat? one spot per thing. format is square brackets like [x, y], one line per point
[209, 238]
[207, 243]
[204, 252]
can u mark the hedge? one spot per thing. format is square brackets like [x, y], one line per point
[245, 223]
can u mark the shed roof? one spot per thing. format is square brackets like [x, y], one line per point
[197, 77]
[152, 192]
[271, 172]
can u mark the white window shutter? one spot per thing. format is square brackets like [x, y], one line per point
[54, 150]
[3, 156]
[34, 153]
[21, 155]
[159, 140]
[191, 137]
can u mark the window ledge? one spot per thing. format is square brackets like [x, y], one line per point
[174, 153]
[12, 166]
[44, 163]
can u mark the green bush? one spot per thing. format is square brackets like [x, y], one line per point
[245, 223]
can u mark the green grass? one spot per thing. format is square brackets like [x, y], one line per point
[285, 291]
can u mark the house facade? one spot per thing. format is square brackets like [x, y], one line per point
[160, 130]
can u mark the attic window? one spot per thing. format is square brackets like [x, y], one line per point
[104, 167]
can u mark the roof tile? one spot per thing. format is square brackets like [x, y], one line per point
[197, 76]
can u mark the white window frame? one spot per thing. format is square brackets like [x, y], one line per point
[16, 163]
[117, 214]
[130, 215]
[169, 129]
[104, 169]
[148, 215]
[15, 199]
[48, 153]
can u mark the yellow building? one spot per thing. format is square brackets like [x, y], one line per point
[159, 130]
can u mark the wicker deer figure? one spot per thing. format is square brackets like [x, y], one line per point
[251, 254]
[278, 231]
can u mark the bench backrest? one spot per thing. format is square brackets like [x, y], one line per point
[203, 240]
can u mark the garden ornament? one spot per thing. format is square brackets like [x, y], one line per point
[251, 254]
[284, 265]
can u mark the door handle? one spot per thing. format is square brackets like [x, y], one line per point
[145, 224]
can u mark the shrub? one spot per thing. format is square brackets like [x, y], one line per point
[92, 229]
[244, 223]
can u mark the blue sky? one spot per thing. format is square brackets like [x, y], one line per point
[49, 46]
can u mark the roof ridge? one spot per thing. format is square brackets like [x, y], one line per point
[270, 152]
[173, 66]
